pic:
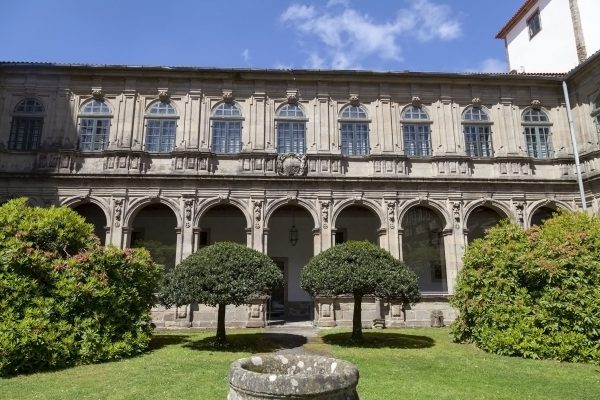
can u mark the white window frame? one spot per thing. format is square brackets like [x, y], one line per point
[95, 125]
[354, 131]
[160, 127]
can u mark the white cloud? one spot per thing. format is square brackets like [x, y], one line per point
[333, 3]
[347, 37]
[491, 65]
[246, 55]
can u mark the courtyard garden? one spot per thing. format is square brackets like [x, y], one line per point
[419, 363]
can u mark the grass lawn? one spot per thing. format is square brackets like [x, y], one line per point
[393, 364]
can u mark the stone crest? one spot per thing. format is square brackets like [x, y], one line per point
[291, 164]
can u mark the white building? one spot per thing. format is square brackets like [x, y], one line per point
[551, 35]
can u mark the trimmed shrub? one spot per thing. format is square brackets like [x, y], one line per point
[65, 300]
[221, 274]
[359, 269]
[535, 293]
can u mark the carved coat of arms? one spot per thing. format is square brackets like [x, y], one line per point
[291, 164]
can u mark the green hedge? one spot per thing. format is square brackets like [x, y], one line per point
[65, 300]
[533, 293]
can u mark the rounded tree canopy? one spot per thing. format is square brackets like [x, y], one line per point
[360, 268]
[222, 273]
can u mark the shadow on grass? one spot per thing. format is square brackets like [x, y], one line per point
[380, 340]
[250, 343]
[159, 341]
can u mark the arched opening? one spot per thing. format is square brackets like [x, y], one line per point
[290, 245]
[94, 215]
[154, 228]
[480, 220]
[423, 248]
[541, 215]
[356, 223]
[222, 223]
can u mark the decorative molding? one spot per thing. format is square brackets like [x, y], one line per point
[257, 213]
[416, 101]
[228, 96]
[354, 100]
[98, 94]
[325, 214]
[537, 104]
[476, 102]
[118, 211]
[164, 96]
[188, 208]
[292, 96]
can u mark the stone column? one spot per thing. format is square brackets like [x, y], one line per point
[260, 234]
[119, 235]
[392, 237]
[192, 119]
[188, 235]
[453, 250]
[327, 231]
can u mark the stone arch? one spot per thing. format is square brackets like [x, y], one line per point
[433, 205]
[556, 205]
[76, 201]
[137, 205]
[369, 204]
[309, 207]
[502, 209]
[205, 206]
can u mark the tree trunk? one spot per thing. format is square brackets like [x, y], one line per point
[356, 319]
[221, 338]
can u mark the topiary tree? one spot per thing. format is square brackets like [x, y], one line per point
[65, 300]
[533, 293]
[220, 274]
[360, 269]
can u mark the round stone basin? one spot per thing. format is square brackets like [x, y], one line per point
[292, 377]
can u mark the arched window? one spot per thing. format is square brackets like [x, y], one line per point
[477, 130]
[26, 126]
[227, 129]
[354, 127]
[94, 125]
[596, 115]
[291, 129]
[161, 124]
[536, 127]
[416, 131]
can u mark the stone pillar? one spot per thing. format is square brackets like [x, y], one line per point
[256, 121]
[119, 235]
[325, 312]
[259, 236]
[327, 231]
[453, 250]
[188, 231]
[316, 241]
[192, 120]
[392, 237]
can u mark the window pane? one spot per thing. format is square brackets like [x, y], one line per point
[29, 106]
[412, 112]
[95, 107]
[355, 112]
[25, 133]
[162, 108]
[227, 110]
[227, 136]
[160, 135]
[475, 114]
[478, 142]
[355, 139]
[290, 110]
[93, 134]
[417, 140]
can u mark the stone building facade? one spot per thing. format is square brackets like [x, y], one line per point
[291, 162]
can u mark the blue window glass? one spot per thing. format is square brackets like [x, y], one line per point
[537, 133]
[291, 129]
[161, 128]
[26, 126]
[227, 129]
[416, 132]
[354, 129]
[477, 132]
[94, 126]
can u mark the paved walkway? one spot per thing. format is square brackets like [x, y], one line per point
[293, 338]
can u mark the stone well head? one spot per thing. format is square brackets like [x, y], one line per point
[292, 377]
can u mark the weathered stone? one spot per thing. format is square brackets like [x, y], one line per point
[437, 318]
[292, 377]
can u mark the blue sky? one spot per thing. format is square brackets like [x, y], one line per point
[385, 35]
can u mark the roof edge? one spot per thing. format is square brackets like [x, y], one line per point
[524, 9]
